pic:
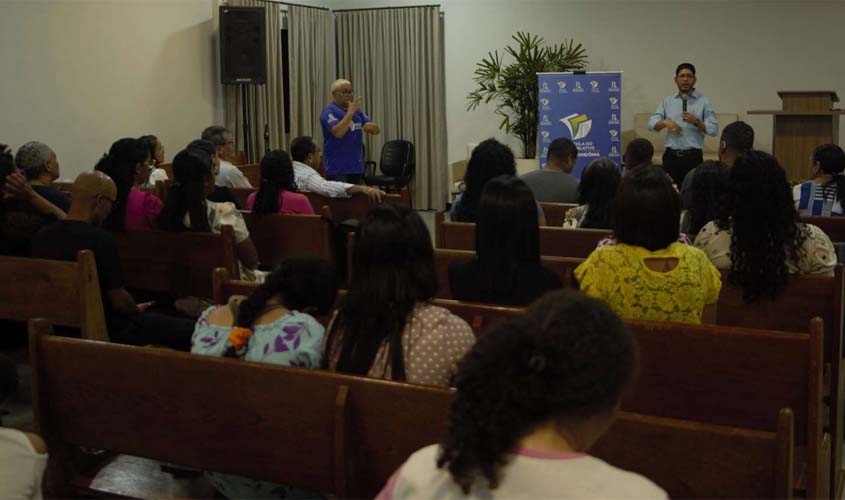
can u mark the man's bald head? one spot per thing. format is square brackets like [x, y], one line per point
[92, 197]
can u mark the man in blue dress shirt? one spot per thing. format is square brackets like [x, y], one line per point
[687, 116]
[343, 125]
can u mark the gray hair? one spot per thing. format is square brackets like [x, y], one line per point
[32, 157]
[215, 135]
[337, 84]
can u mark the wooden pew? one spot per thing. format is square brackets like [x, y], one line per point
[66, 293]
[695, 460]
[278, 235]
[556, 212]
[554, 241]
[178, 263]
[252, 172]
[834, 227]
[803, 297]
[351, 432]
[341, 209]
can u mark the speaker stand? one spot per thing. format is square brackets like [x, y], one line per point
[247, 133]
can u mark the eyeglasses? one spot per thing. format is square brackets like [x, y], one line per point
[344, 92]
[112, 202]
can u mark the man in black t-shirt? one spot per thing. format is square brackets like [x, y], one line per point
[94, 196]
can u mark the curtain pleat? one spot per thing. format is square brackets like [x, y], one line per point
[311, 68]
[395, 61]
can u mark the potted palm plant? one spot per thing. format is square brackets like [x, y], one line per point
[513, 87]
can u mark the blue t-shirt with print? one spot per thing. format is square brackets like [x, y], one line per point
[344, 155]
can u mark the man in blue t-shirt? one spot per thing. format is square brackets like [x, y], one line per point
[343, 125]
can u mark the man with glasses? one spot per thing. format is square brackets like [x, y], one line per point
[688, 116]
[229, 176]
[94, 195]
[343, 125]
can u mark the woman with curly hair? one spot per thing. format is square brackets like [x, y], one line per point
[533, 395]
[707, 192]
[596, 193]
[823, 194]
[760, 240]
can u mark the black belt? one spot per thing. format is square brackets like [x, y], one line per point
[682, 152]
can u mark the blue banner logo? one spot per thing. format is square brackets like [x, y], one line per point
[579, 125]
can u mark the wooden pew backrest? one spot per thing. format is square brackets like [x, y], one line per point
[555, 212]
[834, 227]
[278, 235]
[180, 263]
[67, 293]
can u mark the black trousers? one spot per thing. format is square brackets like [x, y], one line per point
[678, 163]
[156, 329]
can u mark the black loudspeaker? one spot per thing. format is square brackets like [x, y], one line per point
[243, 47]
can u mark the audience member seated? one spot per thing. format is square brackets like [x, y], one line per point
[306, 155]
[273, 325]
[596, 194]
[230, 176]
[648, 274]
[128, 165]
[221, 194]
[41, 167]
[637, 155]
[759, 238]
[157, 154]
[507, 268]
[533, 396]
[489, 159]
[94, 197]
[22, 210]
[278, 193]
[23, 455]
[708, 188]
[187, 208]
[737, 139]
[823, 194]
[555, 183]
[386, 326]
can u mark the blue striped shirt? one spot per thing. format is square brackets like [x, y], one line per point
[814, 199]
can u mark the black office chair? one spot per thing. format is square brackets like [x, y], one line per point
[398, 165]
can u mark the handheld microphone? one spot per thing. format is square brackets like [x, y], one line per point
[684, 98]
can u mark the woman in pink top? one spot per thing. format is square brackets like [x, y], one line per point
[128, 164]
[277, 193]
[533, 395]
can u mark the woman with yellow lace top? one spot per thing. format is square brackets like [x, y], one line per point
[648, 274]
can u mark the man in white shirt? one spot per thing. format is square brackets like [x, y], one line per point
[229, 176]
[306, 158]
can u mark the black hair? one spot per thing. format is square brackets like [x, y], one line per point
[568, 356]
[306, 284]
[152, 143]
[647, 210]
[8, 375]
[507, 234]
[7, 164]
[392, 271]
[215, 134]
[562, 148]
[638, 152]
[738, 135]
[187, 195]
[276, 175]
[301, 147]
[831, 161]
[203, 145]
[489, 159]
[597, 190]
[120, 164]
[683, 66]
[766, 228]
[707, 195]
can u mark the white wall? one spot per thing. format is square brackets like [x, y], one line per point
[79, 74]
[744, 50]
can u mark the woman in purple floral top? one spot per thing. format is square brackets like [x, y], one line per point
[273, 325]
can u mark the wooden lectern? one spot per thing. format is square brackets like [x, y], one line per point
[806, 120]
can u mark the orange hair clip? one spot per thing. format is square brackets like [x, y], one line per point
[239, 337]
